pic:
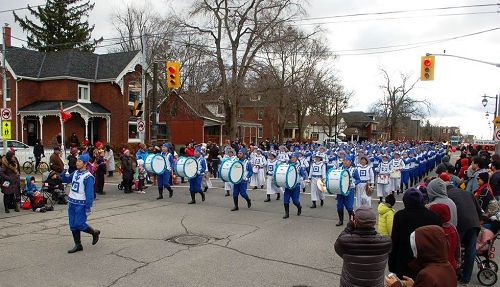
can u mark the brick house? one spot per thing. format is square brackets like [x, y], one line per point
[98, 90]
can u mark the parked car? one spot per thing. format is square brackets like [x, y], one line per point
[18, 146]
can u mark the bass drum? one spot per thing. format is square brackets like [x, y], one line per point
[338, 181]
[231, 171]
[286, 176]
[155, 163]
[186, 167]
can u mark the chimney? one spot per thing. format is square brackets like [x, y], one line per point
[7, 35]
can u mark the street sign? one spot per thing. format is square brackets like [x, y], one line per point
[496, 122]
[6, 114]
[141, 126]
[6, 130]
[497, 134]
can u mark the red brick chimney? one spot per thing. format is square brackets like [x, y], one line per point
[7, 35]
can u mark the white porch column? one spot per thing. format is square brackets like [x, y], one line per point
[40, 120]
[250, 138]
[108, 129]
[22, 128]
[220, 144]
[293, 133]
[86, 119]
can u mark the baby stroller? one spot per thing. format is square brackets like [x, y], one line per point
[135, 185]
[485, 251]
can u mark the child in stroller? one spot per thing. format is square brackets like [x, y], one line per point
[485, 250]
[54, 185]
[32, 197]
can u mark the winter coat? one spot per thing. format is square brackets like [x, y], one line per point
[436, 190]
[127, 168]
[56, 163]
[385, 219]
[434, 268]
[413, 216]
[9, 172]
[71, 163]
[451, 233]
[38, 150]
[468, 210]
[364, 253]
[483, 194]
[444, 165]
[464, 166]
[472, 183]
[110, 158]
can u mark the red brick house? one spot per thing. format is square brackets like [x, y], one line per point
[98, 90]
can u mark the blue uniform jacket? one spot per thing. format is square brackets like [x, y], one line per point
[89, 188]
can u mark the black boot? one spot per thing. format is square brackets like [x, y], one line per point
[304, 189]
[202, 196]
[341, 218]
[313, 205]
[278, 196]
[160, 194]
[205, 189]
[235, 200]
[95, 234]
[322, 202]
[170, 192]
[78, 242]
[299, 210]
[287, 211]
[261, 187]
[227, 193]
[249, 202]
[193, 200]
[268, 198]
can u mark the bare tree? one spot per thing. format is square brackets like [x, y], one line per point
[397, 102]
[239, 29]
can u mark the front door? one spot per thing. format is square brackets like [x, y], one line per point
[93, 130]
[32, 129]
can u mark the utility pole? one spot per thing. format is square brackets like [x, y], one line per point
[154, 109]
[4, 79]
[142, 97]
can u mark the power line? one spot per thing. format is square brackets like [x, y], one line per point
[18, 9]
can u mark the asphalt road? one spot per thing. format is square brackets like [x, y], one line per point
[250, 247]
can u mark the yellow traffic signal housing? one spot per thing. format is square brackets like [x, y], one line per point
[137, 109]
[173, 75]
[427, 64]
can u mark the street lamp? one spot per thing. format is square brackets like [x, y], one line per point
[485, 103]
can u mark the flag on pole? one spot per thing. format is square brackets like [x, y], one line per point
[65, 115]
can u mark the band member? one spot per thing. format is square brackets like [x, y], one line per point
[294, 192]
[397, 165]
[80, 199]
[164, 178]
[195, 182]
[366, 176]
[405, 172]
[258, 164]
[304, 163]
[282, 154]
[347, 200]
[241, 187]
[318, 172]
[228, 186]
[383, 180]
[272, 188]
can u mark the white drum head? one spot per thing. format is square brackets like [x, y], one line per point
[236, 172]
[291, 176]
[345, 181]
[158, 164]
[190, 167]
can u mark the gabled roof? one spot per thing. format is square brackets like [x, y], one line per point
[198, 107]
[357, 117]
[94, 108]
[68, 64]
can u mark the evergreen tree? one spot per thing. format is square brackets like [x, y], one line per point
[61, 24]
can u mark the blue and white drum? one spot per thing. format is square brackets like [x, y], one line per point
[338, 181]
[155, 163]
[231, 171]
[286, 176]
[186, 167]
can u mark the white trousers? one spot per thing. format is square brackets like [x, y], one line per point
[258, 178]
[228, 186]
[315, 192]
[361, 198]
[383, 189]
[395, 183]
[271, 187]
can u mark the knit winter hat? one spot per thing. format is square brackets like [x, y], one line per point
[445, 176]
[365, 217]
[442, 210]
[413, 198]
[84, 157]
[484, 176]
[390, 199]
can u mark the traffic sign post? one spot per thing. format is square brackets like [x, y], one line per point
[497, 134]
[6, 114]
[6, 130]
[141, 126]
[496, 122]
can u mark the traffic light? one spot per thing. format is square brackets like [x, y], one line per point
[173, 75]
[137, 109]
[427, 68]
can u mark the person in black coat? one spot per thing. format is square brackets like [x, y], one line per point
[127, 171]
[38, 152]
[413, 216]
[72, 158]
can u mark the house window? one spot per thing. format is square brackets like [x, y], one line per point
[255, 98]
[220, 109]
[260, 115]
[134, 91]
[173, 110]
[84, 92]
[314, 136]
[260, 132]
[162, 131]
[132, 131]
[7, 95]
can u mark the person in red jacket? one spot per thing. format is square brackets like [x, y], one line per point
[190, 150]
[451, 233]
[464, 165]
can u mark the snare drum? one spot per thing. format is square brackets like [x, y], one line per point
[155, 163]
[338, 181]
[186, 167]
[286, 175]
[383, 179]
[231, 171]
[396, 174]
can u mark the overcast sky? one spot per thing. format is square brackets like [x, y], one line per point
[457, 90]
